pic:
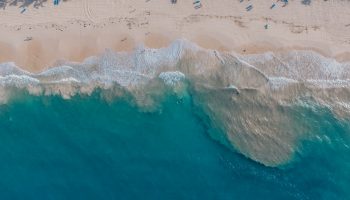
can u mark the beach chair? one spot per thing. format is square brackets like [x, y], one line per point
[28, 39]
[198, 6]
[285, 3]
[249, 8]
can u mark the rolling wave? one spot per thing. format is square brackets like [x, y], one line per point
[252, 99]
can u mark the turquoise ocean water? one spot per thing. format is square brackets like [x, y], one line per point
[90, 148]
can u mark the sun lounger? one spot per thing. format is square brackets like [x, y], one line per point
[198, 6]
[249, 8]
[23, 10]
[285, 2]
[28, 39]
[196, 2]
[273, 5]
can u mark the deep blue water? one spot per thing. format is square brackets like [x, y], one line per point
[88, 148]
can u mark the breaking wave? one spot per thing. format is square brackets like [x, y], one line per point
[253, 100]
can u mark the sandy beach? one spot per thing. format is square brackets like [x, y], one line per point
[252, 67]
[73, 30]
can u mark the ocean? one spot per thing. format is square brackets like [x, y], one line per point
[180, 122]
[92, 148]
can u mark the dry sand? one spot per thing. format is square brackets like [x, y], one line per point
[76, 29]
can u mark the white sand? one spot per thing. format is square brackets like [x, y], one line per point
[77, 29]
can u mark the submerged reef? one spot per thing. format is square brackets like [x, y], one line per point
[253, 100]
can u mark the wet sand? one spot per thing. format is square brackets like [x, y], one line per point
[75, 30]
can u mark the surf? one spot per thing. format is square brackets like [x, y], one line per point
[249, 99]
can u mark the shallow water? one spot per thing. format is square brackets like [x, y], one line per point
[250, 99]
[91, 148]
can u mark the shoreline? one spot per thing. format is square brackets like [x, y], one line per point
[232, 89]
[37, 39]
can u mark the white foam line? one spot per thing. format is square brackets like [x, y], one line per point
[251, 66]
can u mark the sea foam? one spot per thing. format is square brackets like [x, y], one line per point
[247, 97]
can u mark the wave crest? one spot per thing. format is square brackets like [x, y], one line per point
[248, 97]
